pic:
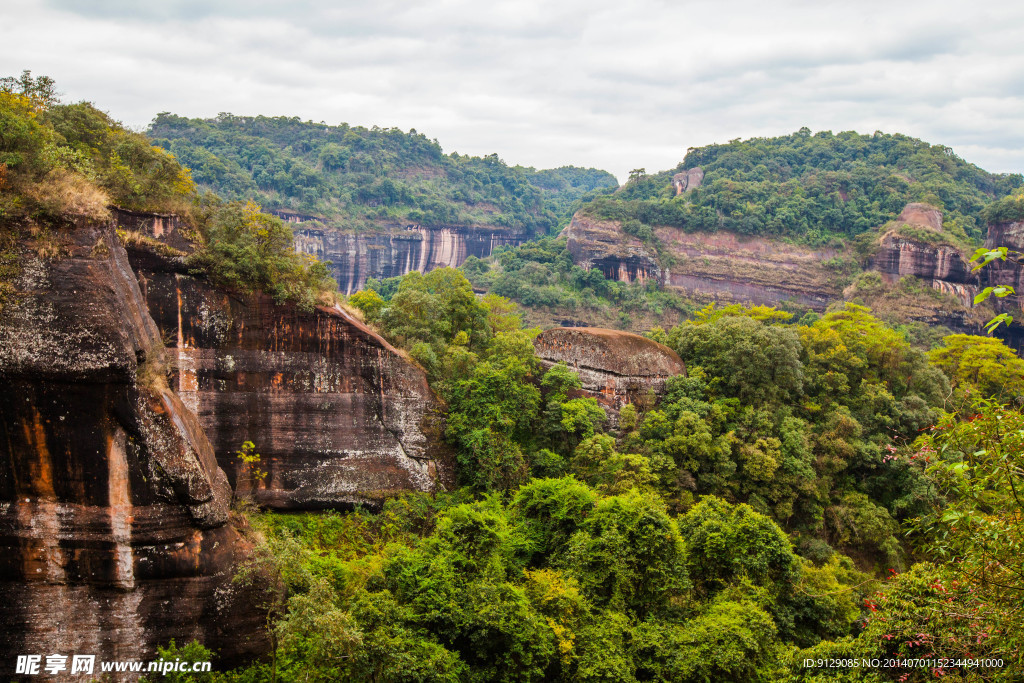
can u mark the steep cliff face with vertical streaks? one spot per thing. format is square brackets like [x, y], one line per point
[114, 516]
[337, 415]
[355, 257]
[1009, 234]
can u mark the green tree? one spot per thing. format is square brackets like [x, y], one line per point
[981, 365]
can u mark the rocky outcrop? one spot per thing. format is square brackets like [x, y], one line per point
[602, 244]
[725, 267]
[614, 367]
[1009, 234]
[714, 266]
[355, 257]
[337, 415]
[924, 252]
[114, 516]
[166, 227]
[728, 268]
[688, 180]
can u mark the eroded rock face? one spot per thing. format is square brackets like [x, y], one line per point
[600, 244]
[713, 266]
[614, 367]
[1008, 234]
[114, 517]
[688, 180]
[337, 415]
[166, 227]
[940, 265]
[355, 257]
[728, 268]
[922, 215]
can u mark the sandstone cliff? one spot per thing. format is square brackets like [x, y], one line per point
[355, 257]
[114, 517]
[1009, 234]
[614, 367]
[728, 268]
[338, 416]
[689, 179]
[713, 266]
[601, 244]
[915, 244]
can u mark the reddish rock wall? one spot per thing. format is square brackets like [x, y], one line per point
[337, 414]
[615, 367]
[941, 265]
[600, 244]
[114, 533]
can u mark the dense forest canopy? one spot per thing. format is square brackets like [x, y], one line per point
[813, 488]
[356, 177]
[753, 517]
[812, 187]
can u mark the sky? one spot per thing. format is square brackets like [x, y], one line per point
[612, 85]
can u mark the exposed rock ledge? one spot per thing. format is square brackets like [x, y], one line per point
[614, 367]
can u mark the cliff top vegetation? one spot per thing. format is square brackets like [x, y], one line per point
[65, 163]
[814, 188]
[356, 177]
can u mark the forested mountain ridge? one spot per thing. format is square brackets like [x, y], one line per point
[812, 188]
[800, 221]
[358, 178]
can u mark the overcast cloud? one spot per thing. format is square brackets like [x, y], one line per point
[615, 85]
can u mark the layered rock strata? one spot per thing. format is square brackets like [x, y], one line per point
[614, 367]
[728, 268]
[601, 244]
[114, 516]
[940, 264]
[355, 257]
[725, 267]
[337, 415]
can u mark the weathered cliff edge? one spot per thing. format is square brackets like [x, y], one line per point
[717, 266]
[114, 517]
[355, 257]
[337, 415]
[614, 367]
[601, 244]
[941, 265]
[725, 267]
[1009, 234]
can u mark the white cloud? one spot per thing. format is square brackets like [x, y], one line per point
[607, 84]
